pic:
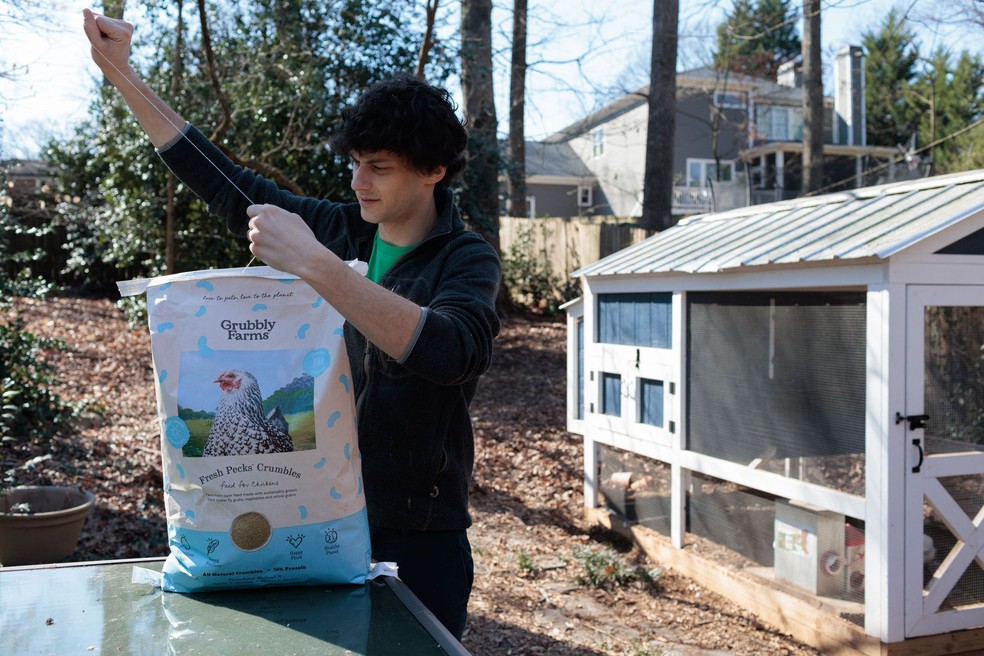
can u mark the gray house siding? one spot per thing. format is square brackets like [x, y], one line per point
[694, 134]
[561, 200]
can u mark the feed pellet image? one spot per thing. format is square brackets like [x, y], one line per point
[250, 531]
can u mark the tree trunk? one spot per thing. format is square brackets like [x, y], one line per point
[812, 99]
[112, 9]
[480, 197]
[517, 113]
[657, 194]
[169, 221]
[428, 43]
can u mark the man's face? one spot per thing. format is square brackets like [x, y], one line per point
[388, 190]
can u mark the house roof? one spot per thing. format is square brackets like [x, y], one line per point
[26, 168]
[873, 222]
[698, 78]
[613, 109]
[554, 159]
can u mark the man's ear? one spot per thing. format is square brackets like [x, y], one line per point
[435, 176]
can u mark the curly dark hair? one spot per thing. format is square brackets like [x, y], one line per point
[409, 117]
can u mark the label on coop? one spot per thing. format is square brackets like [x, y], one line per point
[795, 540]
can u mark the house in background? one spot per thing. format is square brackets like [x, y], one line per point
[558, 183]
[738, 142]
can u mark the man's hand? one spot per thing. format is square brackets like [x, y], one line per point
[282, 239]
[110, 40]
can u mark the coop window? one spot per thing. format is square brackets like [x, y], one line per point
[778, 380]
[651, 402]
[611, 394]
[639, 319]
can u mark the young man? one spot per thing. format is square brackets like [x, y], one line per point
[419, 329]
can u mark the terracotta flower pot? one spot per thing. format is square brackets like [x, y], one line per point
[50, 531]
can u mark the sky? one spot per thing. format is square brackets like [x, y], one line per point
[580, 52]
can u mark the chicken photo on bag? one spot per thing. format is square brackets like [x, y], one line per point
[223, 405]
[240, 426]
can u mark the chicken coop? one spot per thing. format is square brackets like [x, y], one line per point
[786, 403]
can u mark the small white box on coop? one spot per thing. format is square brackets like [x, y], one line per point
[809, 547]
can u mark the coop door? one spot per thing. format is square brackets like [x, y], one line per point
[943, 424]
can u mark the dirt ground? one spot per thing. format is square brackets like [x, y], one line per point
[534, 553]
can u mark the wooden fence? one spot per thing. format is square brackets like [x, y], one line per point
[566, 244]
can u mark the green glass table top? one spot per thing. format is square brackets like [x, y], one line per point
[96, 609]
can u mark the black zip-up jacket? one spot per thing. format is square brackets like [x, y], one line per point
[415, 431]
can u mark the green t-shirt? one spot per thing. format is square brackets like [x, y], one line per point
[383, 257]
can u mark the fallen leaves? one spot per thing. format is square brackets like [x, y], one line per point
[527, 496]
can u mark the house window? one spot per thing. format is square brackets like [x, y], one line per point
[641, 319]
[651, 402]
[779, 123]
[585, 196]
[598, 142]
[701, 171]
[611, 394]
[730, 99]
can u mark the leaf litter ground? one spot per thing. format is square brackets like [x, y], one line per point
[529, 537]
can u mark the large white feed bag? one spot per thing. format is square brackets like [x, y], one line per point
[261, 465]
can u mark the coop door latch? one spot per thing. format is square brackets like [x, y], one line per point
[915, 422]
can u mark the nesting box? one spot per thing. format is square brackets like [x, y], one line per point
[809, 547]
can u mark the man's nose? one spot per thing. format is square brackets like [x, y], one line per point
[359, 180]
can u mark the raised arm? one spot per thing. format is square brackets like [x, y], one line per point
[110, 39]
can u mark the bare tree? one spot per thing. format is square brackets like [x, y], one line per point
[812, 99]
[217, 136]
[657, 192]
[113, 9]
[480, 200]
[427, 44]
[170, 210]
[34, 14]
[517, 113]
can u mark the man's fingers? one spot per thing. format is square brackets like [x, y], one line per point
[102, 28]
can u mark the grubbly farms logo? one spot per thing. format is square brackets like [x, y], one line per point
[251, 330]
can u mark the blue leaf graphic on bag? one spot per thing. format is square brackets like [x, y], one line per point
[317, 362]
[176, 431]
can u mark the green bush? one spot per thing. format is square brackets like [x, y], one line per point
[28, 406]
[604, 569]
[529, 277]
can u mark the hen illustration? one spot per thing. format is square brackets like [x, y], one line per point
[240, 427]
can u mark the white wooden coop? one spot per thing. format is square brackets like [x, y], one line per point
[788, 400]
